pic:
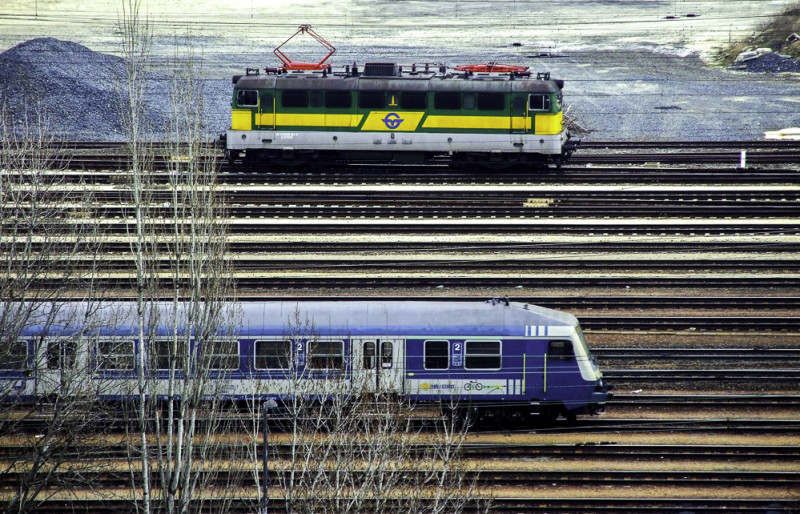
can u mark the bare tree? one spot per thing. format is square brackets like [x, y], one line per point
[346, 446]
[49, 263]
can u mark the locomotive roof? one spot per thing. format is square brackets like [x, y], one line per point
[345, 318]
[403, 82]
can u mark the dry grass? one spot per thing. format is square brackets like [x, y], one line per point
[771, 34]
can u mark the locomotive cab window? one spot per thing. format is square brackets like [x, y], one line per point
[371, 99]
[115, 354]
[437, 355]
[491, 101]
[338, 99]
[539, 102]
[560, 350]
[14, 355]
[247, 98]
[451, 101]
[326, 355]
[273, 354]
[482, 355]
[294, 98]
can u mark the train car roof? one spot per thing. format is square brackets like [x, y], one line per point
[335, 318]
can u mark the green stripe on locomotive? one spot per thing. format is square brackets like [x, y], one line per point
[397, 111]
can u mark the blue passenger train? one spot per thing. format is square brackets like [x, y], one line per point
[494, 359]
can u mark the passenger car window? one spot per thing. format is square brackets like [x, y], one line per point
[14, 354]
[325, 355]
[247, 98]
[273, 354]
[223, 354]
[115, 354]
[163, 353]
[491, 101]
[61, 353]
[387, 352]
[437, 355]
[560, 350]
[482, 355]
[369, 355]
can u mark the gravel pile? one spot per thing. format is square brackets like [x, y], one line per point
[79, 91]
[770, 63]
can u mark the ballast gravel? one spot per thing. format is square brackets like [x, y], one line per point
[616, 95]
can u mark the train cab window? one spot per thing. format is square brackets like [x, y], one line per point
[450, 101]
[247, 98]
[223, 353]
[371, 99]
[14, 355]
[539, 102]
[413, 100]
[338, 99]
[61, 353]
[491, 101]
[482, 355]
[437, 355]
[273, 354]
[326, 355]
[387, 353]
[294, 98]
[316, 98]
[115, 354]
[560, 350]
[469, 100]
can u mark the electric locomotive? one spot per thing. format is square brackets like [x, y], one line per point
[490, 114]
[496, 359]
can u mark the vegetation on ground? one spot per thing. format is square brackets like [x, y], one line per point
[775, 34]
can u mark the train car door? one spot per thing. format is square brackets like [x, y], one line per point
[519, 115]
[378, 364]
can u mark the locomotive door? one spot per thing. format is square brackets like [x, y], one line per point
[519, 115]
[379, 364]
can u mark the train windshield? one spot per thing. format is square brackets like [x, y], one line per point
[585, 347]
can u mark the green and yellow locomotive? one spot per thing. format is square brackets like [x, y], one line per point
[488, 114]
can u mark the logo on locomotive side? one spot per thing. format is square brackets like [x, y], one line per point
[392, 120]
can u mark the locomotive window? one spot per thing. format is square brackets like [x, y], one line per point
[273, 354]
[413, 100]
[223, 354]
[247, 98]
[369, 355]
[115, 354]
[371, 99]
[14, 354]
[447, 101]
[539, 102]
[293, 98]
[338, 99]
[469, 100]
[482, 355]
[437, 355]
[316, 98]
[266, 101]
[560, 350]
[61, 353]
[491, 101]
[325, 355]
